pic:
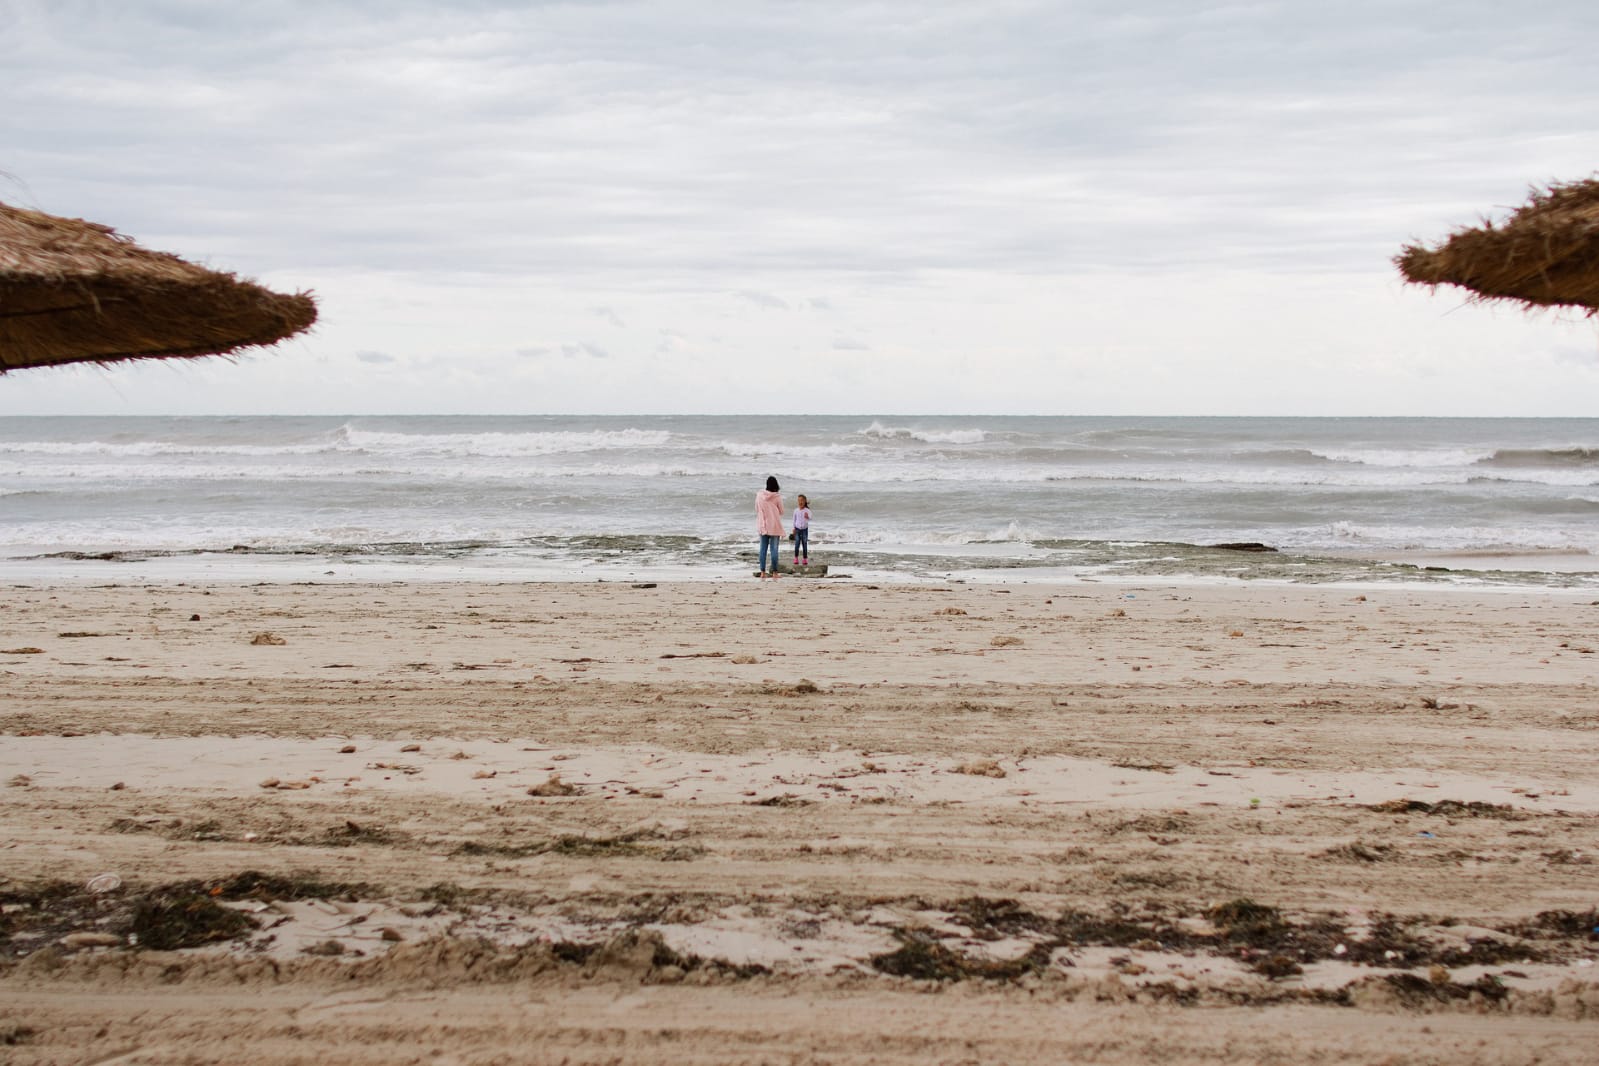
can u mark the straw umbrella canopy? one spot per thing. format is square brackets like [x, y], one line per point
[73, 291]
[1546, 254]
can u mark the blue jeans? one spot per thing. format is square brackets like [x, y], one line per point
[773, 544]
[802, 542]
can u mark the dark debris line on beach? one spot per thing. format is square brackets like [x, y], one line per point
[192, 914]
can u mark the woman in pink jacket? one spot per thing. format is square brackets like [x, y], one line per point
[769, 523]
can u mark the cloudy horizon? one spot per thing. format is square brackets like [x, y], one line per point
[1032, 208]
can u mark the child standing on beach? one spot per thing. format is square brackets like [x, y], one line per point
[769, 523]
[802, 531]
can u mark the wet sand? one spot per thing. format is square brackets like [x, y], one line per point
[797, 821]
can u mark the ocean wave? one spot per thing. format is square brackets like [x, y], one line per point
[1574, 455]
[504, 445]
[750, 450]
[1504, 539]
[793, 470]
[1244, 478]
[1012, 533]
[1279, 455]
[903, 482]
[878, 431]
[86, 475]
[1576, 479]
[1457, 458]
[1406, 458]
[158, 449]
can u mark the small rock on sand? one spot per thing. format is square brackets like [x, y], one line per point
[267, 638]
[20, 781]
[410, 747]
[553, 787]
[348, 749]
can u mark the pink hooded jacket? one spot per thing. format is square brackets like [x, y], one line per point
[769, 513]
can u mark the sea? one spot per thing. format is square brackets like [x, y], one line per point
[894, 498]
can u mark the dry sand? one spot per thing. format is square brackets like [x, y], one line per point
[797, 821]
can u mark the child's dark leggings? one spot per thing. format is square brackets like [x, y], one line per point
[802, 543]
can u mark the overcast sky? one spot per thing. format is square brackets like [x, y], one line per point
[1128, 207]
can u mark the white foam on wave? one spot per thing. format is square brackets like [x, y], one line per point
[1462, 538]
[1406, 458]
[879, 431]
[1013, 533]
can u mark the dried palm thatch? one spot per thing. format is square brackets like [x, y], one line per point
[73, 291]
[1545, 254]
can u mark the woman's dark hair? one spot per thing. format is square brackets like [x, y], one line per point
[771, 484]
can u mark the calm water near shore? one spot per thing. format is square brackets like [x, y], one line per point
[1503, 501]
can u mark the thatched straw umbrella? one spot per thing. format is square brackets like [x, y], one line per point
[73, 291]
[1545, 254]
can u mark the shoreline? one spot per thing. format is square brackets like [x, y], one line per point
[1555, 571]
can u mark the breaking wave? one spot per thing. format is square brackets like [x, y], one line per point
[878, 431]
[1573, 456]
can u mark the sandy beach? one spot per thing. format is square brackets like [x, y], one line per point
[797, 821]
